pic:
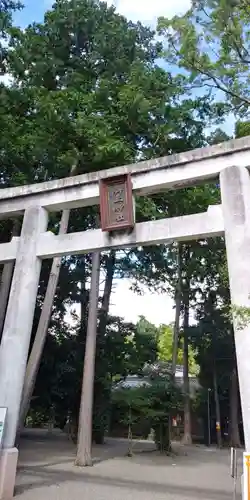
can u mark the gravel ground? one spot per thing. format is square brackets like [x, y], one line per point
[46, 472]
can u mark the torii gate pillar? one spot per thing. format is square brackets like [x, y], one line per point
[235, 194]
[16, 339]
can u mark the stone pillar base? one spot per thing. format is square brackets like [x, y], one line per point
[8, 466]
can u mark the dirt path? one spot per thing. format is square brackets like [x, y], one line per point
[46, 471]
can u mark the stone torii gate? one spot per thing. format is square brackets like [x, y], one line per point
[230, 161]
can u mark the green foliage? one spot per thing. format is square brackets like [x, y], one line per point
[7, 7]
[165, 345]
[152, 401]
[100, 110]
[64, 107]
[242, 128]
[211, 43]
[60, 375]
[165, 349]
[241, 316]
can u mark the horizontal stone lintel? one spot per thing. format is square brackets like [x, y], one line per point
[148, 177]
[184, 228]
[8, 251]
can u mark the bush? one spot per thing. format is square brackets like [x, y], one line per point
[152, 403]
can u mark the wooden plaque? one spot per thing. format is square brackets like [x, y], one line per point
[116, 203]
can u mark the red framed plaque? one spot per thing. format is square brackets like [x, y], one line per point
[116, 203]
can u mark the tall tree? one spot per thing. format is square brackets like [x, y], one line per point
[187, 437]
[7, 8]
[178, 299]
[84, 443]
[165, 348]
[104, 311]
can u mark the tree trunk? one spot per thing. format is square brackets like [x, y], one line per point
[107, 292]
[161, 438]
[176, 332]
[41, 333]
[84, 445]
[234, 409]
[217, 408]
[83, 296]
[178, 294]
[100, 402]
[6, 279]
[187, 437]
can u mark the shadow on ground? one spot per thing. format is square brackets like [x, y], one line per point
[49, 478]
[193, 472]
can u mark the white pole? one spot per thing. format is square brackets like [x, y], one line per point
[16, 339]
[235, 194]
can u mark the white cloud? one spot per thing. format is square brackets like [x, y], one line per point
[148, 11]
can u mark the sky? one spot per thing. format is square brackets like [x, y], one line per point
[157, 308]
[144, 10]
[148, 11]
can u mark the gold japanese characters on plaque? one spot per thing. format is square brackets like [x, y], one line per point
[116, 203]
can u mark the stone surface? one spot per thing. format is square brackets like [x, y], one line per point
[46, 471]
[187, 227]
[151, 176]
[8, 251]
[235, 194]
[8, 465]
[183, 228]
[19, 318]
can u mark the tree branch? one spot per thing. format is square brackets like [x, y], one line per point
[236, 46]
[219, 85]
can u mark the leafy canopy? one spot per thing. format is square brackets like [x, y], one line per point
[211, 42]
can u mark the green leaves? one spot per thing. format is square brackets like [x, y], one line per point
[7, 7]
[86, 87]
[153, 400]
[165, 349]
[212, 43]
